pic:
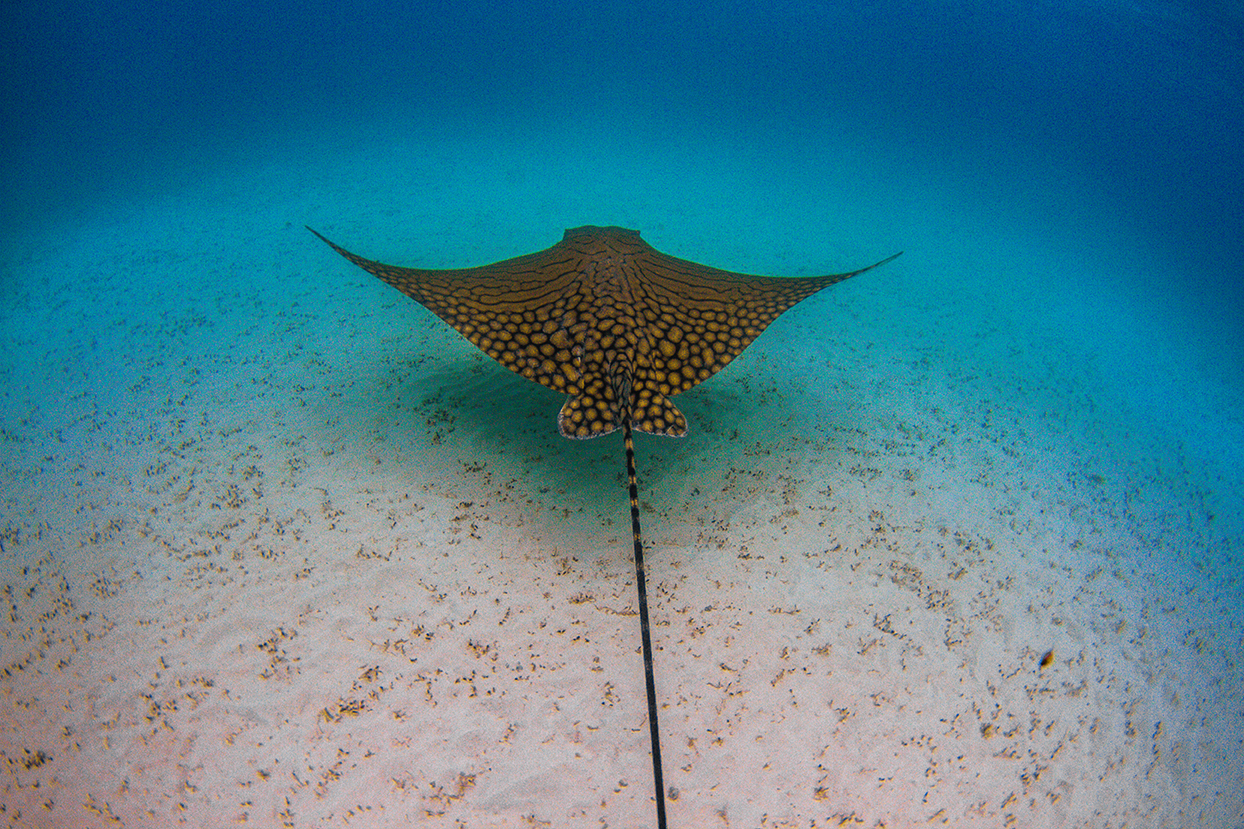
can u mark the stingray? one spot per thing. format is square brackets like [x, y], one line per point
[620, 328]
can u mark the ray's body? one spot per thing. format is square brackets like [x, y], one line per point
[619, 327]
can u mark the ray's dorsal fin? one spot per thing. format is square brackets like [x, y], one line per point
[619, 327]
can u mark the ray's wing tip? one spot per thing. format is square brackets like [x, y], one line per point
[319, 235]
[874, 265]
[347, 254]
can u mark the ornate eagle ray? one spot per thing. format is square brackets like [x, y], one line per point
[618, 326]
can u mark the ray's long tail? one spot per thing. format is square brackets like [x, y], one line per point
[641, 585]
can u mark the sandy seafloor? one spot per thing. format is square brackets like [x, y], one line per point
[280, 549]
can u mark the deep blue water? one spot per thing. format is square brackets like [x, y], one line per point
[1142, 103]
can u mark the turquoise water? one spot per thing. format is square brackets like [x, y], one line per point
[238, 473]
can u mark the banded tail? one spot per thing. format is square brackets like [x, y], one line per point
[654, 730]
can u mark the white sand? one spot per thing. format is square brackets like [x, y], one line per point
[280, 549]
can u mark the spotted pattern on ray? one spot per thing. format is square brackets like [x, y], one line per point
[605, 318]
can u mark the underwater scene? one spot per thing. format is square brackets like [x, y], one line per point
[958, 540]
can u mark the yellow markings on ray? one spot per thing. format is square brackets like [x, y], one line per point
[602, 312]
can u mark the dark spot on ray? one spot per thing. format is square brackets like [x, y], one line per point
[619, 327]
